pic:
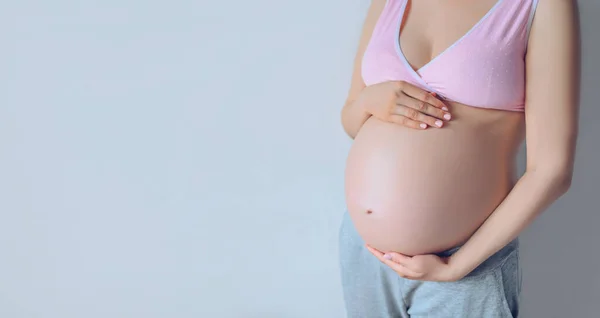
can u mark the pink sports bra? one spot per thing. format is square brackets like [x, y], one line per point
[484, 68]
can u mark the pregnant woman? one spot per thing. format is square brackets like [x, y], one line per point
[442, 96]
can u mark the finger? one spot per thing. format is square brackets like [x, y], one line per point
[405, 261]
[423, 95]
[374, 249]
[422, 107]
[398, 258]
[400, 269]
[416, 115]
[405, 121]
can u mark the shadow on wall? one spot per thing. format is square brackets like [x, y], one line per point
[560, 256]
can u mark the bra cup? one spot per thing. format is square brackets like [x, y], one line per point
[485, 68]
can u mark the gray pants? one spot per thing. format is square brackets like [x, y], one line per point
[373, 290]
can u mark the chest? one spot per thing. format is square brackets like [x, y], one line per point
[428, 27]
[468, 51]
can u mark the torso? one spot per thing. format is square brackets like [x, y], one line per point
[429, 190]
[422, 191]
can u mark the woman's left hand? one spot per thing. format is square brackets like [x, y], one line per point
[427, 267]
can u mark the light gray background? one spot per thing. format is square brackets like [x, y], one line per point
[185, 159]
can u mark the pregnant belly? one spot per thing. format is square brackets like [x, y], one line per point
[423, 191]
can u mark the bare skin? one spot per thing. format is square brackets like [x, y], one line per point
[415, 191]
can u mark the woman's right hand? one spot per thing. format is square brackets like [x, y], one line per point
[405, 104]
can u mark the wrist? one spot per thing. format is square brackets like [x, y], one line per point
[457, 269]
[361, 106]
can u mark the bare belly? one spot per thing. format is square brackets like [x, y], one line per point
[423, 191]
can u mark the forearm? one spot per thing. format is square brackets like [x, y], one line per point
[353, 117]
[531, 195]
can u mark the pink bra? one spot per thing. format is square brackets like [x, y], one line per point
[484, 68]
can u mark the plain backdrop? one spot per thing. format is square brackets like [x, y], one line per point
[185, 159]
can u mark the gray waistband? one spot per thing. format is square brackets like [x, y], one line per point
[496, 259]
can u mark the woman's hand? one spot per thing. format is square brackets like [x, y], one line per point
[428, 267]
[405, 104]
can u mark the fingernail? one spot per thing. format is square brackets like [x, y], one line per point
[423, 125]
[438, 123]
[447, 116]
[445, 108]
[387, 256]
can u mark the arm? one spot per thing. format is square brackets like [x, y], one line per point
[391, 101]
[354, 116]
[551, 114]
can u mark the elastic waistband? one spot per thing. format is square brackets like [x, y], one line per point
[493, 261]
